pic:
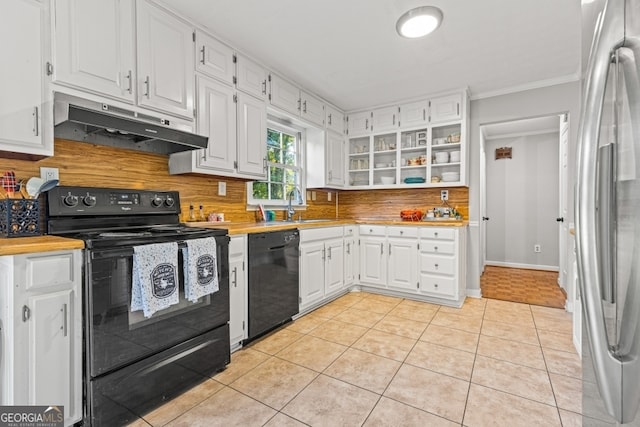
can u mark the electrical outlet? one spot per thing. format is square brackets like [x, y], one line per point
[444, 195]
[222, 188]
[49, 173]
[537, 248]
[313, 196]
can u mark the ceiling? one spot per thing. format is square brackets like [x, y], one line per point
[348, 51]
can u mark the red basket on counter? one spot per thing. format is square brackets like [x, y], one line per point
[411, 215]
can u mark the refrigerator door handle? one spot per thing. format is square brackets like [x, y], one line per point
[607, 366]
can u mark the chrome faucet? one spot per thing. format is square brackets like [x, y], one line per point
[290, 210]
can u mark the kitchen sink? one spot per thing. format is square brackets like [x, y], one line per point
[298, 221]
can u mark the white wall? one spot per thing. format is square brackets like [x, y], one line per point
[545, 101]
[522, 201]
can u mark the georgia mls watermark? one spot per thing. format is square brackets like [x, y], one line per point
[31, 416]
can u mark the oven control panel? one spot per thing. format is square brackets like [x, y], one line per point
[74, 201]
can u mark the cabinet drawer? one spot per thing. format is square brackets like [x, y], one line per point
[372, 230]
[42, 271]
[402, 231]
[441, 233]
[438, 247]
[445, 286]
[350, 230]
[437, 264]
[324, 233]
[237, 246]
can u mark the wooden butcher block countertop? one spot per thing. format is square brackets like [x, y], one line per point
[27, 245]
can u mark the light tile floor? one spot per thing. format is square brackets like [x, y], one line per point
[373, 360]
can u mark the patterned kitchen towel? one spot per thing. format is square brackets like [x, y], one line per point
[154, 284]
[200, 268]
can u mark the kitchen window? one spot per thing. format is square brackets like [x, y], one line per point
[284, 168]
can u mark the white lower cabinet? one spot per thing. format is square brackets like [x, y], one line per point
[442, 262]
[427, 261]
[388, 257]
[41, 314]
[322, 257]
[351, 259]
[237, 290]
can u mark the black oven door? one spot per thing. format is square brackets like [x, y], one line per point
[117, 337]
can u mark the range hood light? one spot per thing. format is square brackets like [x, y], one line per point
[419, 22]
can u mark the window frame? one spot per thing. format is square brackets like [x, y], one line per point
[276, 204]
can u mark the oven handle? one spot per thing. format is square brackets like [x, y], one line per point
[120, 252]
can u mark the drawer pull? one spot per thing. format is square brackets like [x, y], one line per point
[64, 320]
[435, 249]
[436, 266]
[435, 234]
[26, 313]
[235, 277]
[401, 232]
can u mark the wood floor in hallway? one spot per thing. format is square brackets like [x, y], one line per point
[534, 287]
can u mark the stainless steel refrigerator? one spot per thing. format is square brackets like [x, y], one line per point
[608, 212]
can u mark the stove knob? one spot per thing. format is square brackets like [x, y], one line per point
[70, 200]
[89, 200]
[169, 201]
[156, 201]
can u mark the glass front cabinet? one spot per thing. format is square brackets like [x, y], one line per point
[430, 153]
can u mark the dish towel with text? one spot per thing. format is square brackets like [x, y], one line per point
[154, 282]
[200, 268]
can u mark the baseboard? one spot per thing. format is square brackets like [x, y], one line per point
[523, 266]
[474, 293]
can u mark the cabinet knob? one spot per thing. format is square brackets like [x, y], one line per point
[435, 249]
[436, 266]
[435, 234]
[26, 313]
[435, 285]
[401, 232]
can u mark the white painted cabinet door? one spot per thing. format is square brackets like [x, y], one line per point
[335, 154]
[334, 271]
[414, 114]
[237, 290]
[359, 123]
[446, 108]
[312, 108]
[373, 261]
[350, 260]
[284, 95]
[252, 77]
[403, 260]
[21, 80]
[165, 61]
[217, 120]
[94, 46]
[214, 58]
[334, 119]
[312, 270]
[252, 136]
[385, 119]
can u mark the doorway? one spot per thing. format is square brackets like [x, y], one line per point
[523, 204]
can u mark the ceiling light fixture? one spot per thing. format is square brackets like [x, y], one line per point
[419, 22]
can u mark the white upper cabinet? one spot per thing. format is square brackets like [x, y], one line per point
[334, 119]
[446, 108]
[335, 154]
[284, 95]
[216, 118]
[25, 123]
[251, 77]
[312, 108]
[384, 119]
[252, 134]
[165, 61]
[94, 46]
[213, 58]
[359, 123]
[414, 114]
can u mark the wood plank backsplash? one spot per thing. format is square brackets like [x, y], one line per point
[85, 164]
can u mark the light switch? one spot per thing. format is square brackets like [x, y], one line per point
[313, 196]
[329, 196]
[222, 188]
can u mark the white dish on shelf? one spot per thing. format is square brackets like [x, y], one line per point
[450, 176]
[439, 141]
[388, 180]
[442, 157]
[381, 165]
[454, 156]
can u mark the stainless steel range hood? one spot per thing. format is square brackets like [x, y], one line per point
[100, 123]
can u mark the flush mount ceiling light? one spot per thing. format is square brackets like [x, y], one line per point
[419, 22]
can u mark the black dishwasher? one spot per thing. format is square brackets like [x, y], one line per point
[273, 280]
